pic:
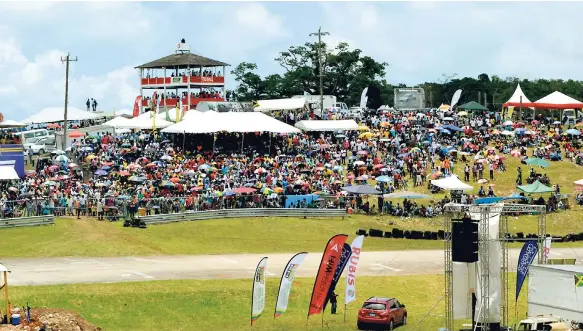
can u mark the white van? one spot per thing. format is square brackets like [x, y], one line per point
[39, 133]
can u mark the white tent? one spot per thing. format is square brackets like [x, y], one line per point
[210, 122]
[144, 123]
[56, 114]
[578, 182]
[324, 125]
[451, 183]
[558, 100]
[12, 124]
[517, 97]
[281, 104]
[7, 172]
[116, 122]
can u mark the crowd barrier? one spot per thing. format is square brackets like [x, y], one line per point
[27, 221]
[249, 212]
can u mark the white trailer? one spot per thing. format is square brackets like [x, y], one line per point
[553, 289]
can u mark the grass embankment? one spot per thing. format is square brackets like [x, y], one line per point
[225, 304]
[70, 237]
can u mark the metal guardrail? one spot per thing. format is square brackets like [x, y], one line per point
[26, 221]
[248, 212]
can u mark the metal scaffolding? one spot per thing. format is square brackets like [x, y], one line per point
[452, 211]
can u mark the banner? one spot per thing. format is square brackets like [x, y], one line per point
[363, 98]
[287, 278]
[346, 252]
[455, 98]
[527, 255]
[176, 80]
[326, 272]
[352, 266]
[509, 112]
[137, 105]
[177, 117]
[258, 296]
[547, 250]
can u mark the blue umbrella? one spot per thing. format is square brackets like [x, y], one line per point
[101, 172]
[573, 132]
[445, 131]
[105, 168]
[384, 179]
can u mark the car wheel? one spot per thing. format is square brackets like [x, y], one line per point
[359, 326]
[41, 151]
[404, 319]
[391, 325]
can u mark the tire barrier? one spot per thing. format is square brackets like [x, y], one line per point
[440, 235]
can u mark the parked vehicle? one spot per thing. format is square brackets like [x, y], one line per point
[41, 145]
[381, 312]
[32, 134]
[543, 322]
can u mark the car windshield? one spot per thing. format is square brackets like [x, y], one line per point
[374, 306]
[32, 140]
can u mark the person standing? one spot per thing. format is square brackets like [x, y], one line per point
[333, 302]
[467, 173]
[94, 105]
[491, 171]
[88, 104]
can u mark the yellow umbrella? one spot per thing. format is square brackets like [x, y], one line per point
[363, 128]
[366, 135]
[463, 113]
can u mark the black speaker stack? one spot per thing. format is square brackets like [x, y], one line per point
[464, 240]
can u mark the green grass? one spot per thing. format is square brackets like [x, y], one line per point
[225, 304]
[71, 237]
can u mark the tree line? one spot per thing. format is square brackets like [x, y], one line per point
[348, 71]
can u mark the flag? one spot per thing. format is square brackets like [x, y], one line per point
[287, 278]
[258, 296]
[137, 104]
[178, 106]
[346, 252]
[326, 271]
[547, 250]
[455, 98]
[527, 255]
[364, 98]
[510, 111]
[255, 103]
[578, 280]
[352, 266]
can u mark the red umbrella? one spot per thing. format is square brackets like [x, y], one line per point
[244, 190]
[124, 173]
[76, 134]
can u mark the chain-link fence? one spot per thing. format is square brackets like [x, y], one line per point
[114, 207]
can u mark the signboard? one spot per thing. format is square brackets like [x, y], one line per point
[409, 98]
[205, 79]
[176, 80]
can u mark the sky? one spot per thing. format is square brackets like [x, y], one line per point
[421, 41]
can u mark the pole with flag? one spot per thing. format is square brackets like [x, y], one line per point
[287, 278]
[258, 294]
[527, 255]
[351, 272]
[326, 271]
[344, 258]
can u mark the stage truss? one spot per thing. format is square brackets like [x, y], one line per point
[452, 211]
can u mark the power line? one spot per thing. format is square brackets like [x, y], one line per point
[67, 60]
[320, 34]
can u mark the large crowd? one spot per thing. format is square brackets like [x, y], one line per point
[108, 176]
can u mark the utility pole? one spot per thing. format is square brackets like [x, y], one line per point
[67, 60]
[320, 34]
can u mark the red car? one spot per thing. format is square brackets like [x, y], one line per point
[381, 312]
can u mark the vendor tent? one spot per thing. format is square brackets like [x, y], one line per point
[517, 99]
[536, 187]
[281, 104]
[337, 125]
[144, 123]
[56, 114]
[472, 105]
[558, 100]
[451, 183]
